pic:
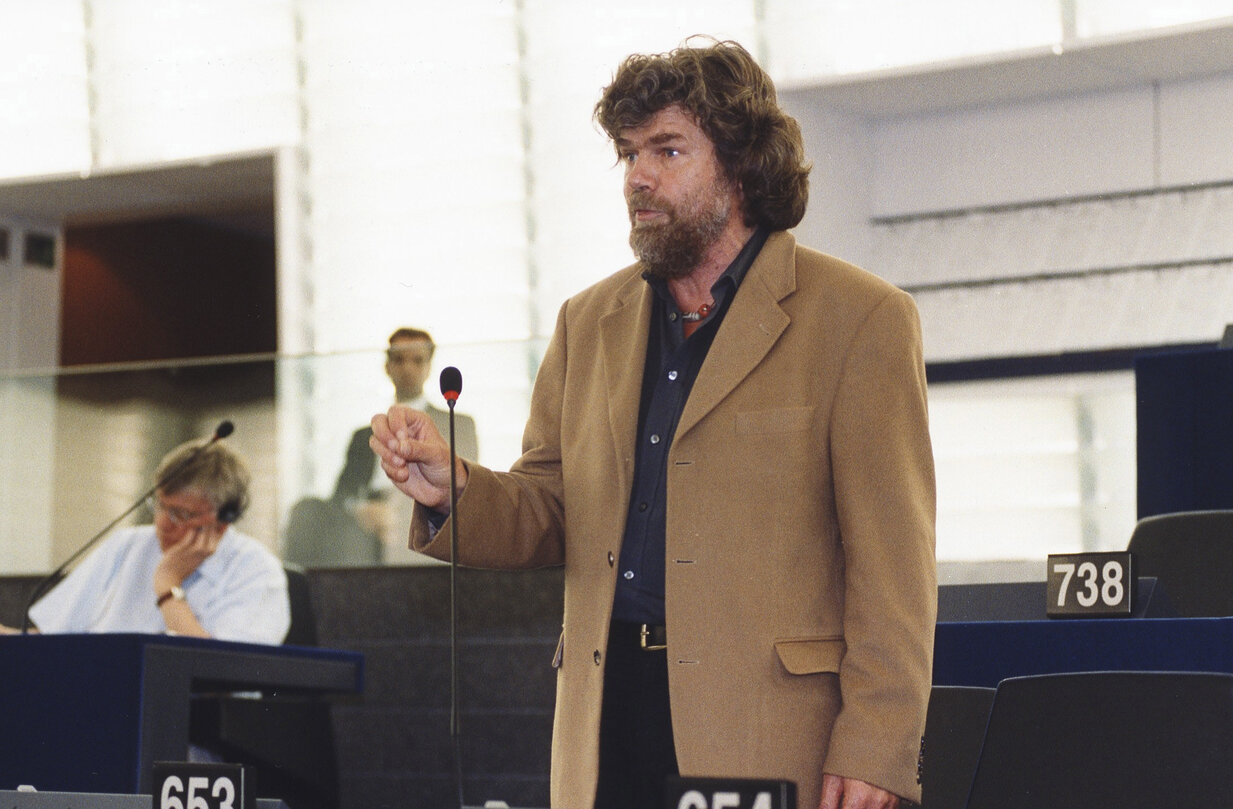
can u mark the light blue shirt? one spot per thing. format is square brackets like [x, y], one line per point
[239, 593]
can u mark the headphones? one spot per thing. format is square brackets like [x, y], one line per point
[230, 511]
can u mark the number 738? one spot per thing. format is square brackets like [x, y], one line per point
[1106, 585]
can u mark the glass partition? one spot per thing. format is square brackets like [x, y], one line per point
[1025, 467]
[1031, 466]
[78, 447]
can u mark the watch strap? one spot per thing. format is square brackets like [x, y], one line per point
[175, 592]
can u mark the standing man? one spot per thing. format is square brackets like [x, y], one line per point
[362, 487]
[728, 450]
[408, 362]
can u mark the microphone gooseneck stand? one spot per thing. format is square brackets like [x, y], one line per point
[451, 387]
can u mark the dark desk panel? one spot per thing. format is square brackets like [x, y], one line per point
[1185, 431]
[983, 654]
[92, 713]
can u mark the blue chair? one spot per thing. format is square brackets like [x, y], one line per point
[1122, 740]
[1190, 553]
[954, 732]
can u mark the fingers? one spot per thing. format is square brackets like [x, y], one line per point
[402, 438]
[186, 555]
[851, 793]
[413, 455]
[390, 431]
[200, 541]
[832, 792]
[399, 424]
[209, 536]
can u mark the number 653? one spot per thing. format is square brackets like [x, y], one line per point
[174, 795]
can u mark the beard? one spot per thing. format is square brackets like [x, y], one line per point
[674, 248]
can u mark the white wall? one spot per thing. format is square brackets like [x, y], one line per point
[1051, 148]
[1194, 131]
[1059, 271]
[841, 182]
[1063, 147]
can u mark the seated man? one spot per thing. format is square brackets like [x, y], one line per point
[190, 573]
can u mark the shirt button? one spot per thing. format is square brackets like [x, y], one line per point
[642, 506]
[655, 439]
[672, 376]
[672, 316]
[611, 559]
[629, 574]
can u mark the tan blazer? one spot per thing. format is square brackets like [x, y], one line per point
[801, 588]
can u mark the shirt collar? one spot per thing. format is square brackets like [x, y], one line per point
[419, 403]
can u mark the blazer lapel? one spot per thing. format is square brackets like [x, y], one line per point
[623, 337]
[752, 325]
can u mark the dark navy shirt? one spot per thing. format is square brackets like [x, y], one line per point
[672, 365]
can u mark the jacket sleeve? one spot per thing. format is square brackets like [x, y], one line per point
[514, 519]
[885, 501]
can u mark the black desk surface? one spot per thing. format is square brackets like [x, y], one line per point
[984, 653]
[92, 713]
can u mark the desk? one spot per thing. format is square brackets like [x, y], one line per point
[92, 713]
[984, 653]
[76, 800]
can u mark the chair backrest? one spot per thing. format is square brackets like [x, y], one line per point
[1191, 555]
[954, 731]
[1123, 740]
[303, 630]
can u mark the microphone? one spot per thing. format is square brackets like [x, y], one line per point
[224, 429]
[451, 386]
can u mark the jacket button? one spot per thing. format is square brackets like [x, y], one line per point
[597, 657]
[611, 559]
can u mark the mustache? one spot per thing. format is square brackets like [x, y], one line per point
[645, 200]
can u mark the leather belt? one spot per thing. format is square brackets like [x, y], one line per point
[652, 638]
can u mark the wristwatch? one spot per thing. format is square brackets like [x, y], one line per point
[175, 592]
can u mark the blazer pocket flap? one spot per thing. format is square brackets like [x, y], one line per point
[780, 420]
[811, 655]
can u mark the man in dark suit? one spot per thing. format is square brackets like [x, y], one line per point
[361, 487]
[361, 524]
[408, 363]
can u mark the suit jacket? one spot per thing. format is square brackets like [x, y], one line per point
[361, 463]
[800, 587]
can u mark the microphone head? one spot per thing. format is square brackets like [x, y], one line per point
[451, 383]
[224, 429]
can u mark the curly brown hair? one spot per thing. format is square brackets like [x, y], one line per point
[732, 99]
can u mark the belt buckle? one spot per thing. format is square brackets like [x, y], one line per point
[644, 635]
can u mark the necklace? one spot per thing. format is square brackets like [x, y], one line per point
[701, 312]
